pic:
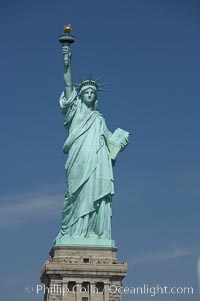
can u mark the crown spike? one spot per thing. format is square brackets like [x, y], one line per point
[103, 89]
[98, 78]
[80, 77]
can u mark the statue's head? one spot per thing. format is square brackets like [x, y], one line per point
[88, 93]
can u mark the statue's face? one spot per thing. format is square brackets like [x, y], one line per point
[89, 96]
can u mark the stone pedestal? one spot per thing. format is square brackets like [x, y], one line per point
[83, 273]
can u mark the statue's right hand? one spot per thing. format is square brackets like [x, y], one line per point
[67, 54]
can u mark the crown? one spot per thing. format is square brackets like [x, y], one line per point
[92, 83]
[89, 83]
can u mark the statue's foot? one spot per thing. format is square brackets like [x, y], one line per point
[104, 237]
[92, 234]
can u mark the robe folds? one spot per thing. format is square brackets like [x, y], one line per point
[89, 174]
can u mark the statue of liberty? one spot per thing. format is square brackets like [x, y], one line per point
[91, 150]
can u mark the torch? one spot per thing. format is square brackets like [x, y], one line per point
[66, 39]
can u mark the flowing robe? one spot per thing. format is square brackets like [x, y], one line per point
[89, 174]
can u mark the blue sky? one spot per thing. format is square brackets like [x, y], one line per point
[148, 53]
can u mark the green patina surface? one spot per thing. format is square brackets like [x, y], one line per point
[92, 150]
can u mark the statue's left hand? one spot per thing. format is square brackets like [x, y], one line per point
[124, 144]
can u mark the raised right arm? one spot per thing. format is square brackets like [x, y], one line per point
[68, 82]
